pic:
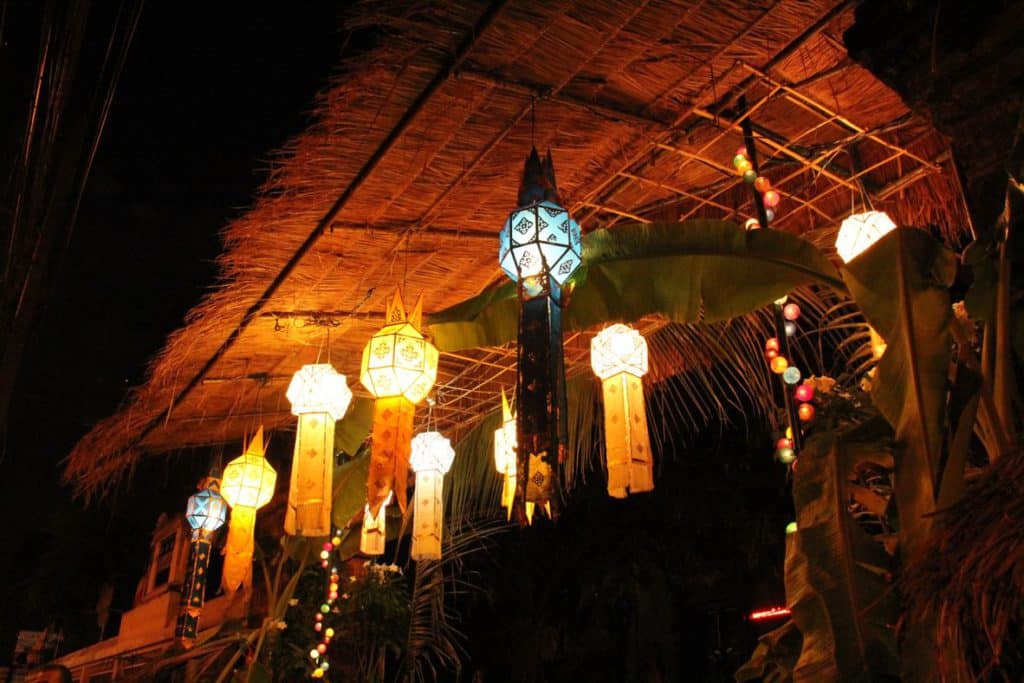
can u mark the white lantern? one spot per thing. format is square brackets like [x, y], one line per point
[373, 535]
[860, 231]
[432, 456]
[618, 355]
[319, 397]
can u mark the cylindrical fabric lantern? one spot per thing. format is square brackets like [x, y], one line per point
[399, 368]
[373, 535]
[248, 485]
[540, 250]
[861, 230]
[618, 355]
[505, 460]
[205, 513]
[432, 457]
[319, 397]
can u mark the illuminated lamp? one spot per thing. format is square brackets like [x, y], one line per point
[539, 249]
[618, 355]
[432, 457]
[861, 230]
[248, 485]
[769, 613]
[505, 459]
[319, 397]
[399, 368]
[205, 513]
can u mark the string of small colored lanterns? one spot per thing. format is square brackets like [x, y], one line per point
[785, 314]
[324, 633]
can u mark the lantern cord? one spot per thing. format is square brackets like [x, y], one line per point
[533, 121]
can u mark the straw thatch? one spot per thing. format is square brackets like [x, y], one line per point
[969, 584]
[413, 162]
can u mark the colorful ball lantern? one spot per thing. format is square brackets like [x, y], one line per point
[771, 199]
[319, 397]
[858, 232]
[791, 311]
[806, 412]
[779, 364]
[804, 392]
[399, 368]
[749, 176]
[618, 355]
[762, 184]
[432, 456]
[791, 375]
[248, 485]
[785, 455]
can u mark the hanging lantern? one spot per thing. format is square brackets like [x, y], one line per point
[432, 456]
[319, 397]
[205, 513]
[540, 250]
[248, 485]
[373, 536]
[399, 368]
[618, 355]
[858, 232]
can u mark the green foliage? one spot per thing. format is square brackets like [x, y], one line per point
[902, 286]
[349, 489]
[836, 573]
[693, 271]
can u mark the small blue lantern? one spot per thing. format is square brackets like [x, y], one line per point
[206, 510]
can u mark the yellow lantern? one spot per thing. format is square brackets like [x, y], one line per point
[373, 535]
[432, 457]
[618, 355]
[319, 397]
[505, 459]
[248, 484]
[399, 368]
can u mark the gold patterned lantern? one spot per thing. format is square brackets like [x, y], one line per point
[399, 368]
[248, 484]
[432, 456]
[618, 355]
[319, 397]
[505, 459]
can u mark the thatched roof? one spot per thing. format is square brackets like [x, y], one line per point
[413, 161]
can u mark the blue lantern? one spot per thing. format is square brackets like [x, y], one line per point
[206, 510]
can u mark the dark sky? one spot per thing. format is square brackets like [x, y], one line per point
[209, 90]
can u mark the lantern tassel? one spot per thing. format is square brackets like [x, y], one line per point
[309, 496]
[238, 549]
[393, 419]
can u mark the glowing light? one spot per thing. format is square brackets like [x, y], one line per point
[769, 613]
[248, 485]
[858, 232]
[432, 456]
[540, 238]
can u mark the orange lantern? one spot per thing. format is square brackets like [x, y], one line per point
[247, 485]
[618, 355]
[399, 368]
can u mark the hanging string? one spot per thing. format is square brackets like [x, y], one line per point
[533, 121]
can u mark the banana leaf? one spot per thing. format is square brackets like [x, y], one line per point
[835, 573]
[349, 489]
[902, 286]
[774, 657]
[692, 271]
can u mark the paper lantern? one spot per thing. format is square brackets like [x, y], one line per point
[618, 355]
[858, 232]
[319, 397]
[432, 456]
[539, 250]
[205, 513]
[505, 459]
[540, 238]
[248, 485]
[399, 368]
[373, 536]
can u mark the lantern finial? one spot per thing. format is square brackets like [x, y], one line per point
[506, 410]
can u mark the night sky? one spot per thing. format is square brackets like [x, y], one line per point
[209, 90]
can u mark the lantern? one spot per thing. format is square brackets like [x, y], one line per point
[319, 397]
[248, 485]
[399, 368]
[432, 456]
[205, 513]
[505, 460]
[373, 535]
[540, 250]
[860, 231]
[618, 355]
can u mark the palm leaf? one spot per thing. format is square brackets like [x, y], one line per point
[902, 286]
[835, 572]
[687, 272]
